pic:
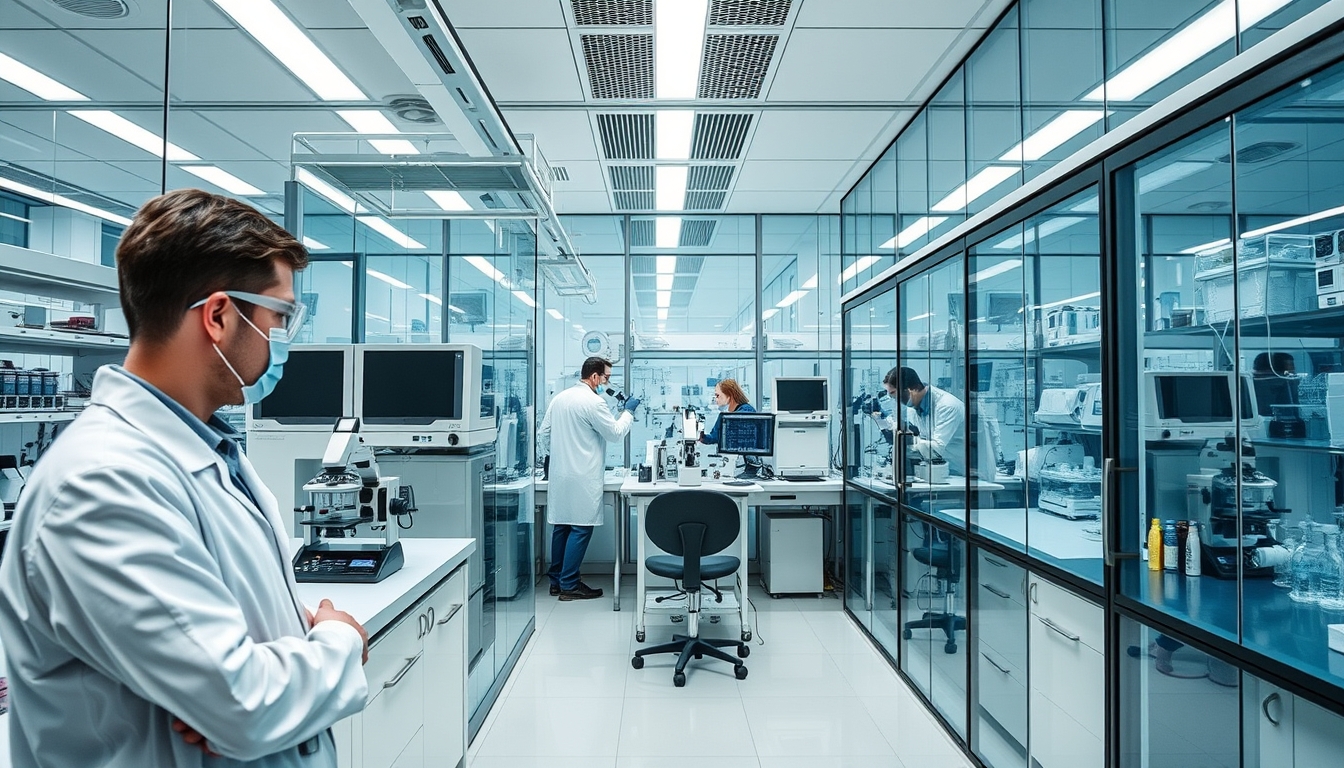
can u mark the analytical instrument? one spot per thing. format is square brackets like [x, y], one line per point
[802, 428]
[1212, 500]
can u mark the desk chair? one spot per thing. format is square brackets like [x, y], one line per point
[694, 526]
[944, 557]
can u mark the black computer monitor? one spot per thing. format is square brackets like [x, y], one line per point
[412, 386]
[312, 391]
[800, 395]
[747, 434]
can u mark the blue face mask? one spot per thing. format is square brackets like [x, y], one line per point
[265, 384]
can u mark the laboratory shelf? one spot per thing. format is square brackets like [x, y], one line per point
[45, 274]
[42, 341]
[1311, 323]
[1302, 444]
[26, 417]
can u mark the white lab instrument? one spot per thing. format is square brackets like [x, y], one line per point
[1330, 285]
[1072, 325]
[688, 464]
[350, 493]
[802, 427]
[1197, 405]
[1031, 461]
[423, 395]
[791, 553]
[1090, 411]
[1273, 275]
[1070, 490]
[1062, 406]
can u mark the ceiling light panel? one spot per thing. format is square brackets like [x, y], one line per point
[23, 76]
[672, 137]
[670, 187]
[223, 179]
[761, 13]
[131, 133]
[280, 36]
[372, 121]
[735, 66]
[619, 66]
[668, 231]
[616, 13]
[449, 200]
[679, 38]
[627, 136]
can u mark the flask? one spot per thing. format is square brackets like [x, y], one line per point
[1155, 546]
[1283, 572]
[1332, 571]
[1192, 563]
[1301, 589]
[1170, 548]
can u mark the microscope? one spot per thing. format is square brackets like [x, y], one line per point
[1212, 500]
[688, 462]
[348, 493]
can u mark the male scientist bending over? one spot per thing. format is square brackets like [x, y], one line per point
[147, 602]
[577, 426]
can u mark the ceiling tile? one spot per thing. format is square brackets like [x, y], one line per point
[583, 202]
[514, 13]
[561, 134]
[362, 57]
[314, 14]
[252, 75]
[584, 176]
[525, 64]
[118, 65]
[776, 202]
[18, 16]
[792, 174]
[861, 14]
[272, 131]
[832, 134]
[865, 65]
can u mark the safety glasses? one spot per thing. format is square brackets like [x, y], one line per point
[293, 312]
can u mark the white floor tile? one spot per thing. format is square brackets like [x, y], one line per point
[565, 727]
[704, 678]
[795, 674]
[868, 674]
[814, 726]
[543, 761]
[887, 760]
[571, 675]
[912, 732]
[700, 761]
[687, 726]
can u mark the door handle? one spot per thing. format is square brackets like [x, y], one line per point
[1059, 629]
[986, 657]
[421, 623]
[996, 591]
[1109, 468]
[410, 662]
[456, 607]
[429, 620]
[1264, 707]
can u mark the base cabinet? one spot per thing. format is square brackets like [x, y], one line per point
[1067, 678]
[1285, 731]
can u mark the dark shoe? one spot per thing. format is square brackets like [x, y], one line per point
[581, 592]
[555, 590]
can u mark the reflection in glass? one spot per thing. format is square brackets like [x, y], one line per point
[993, 119]
[327, 289]
[403, 299]
[949, 190]
[1061, 64]
[999, 663]
[800, 256]
[871, 347]
[913, 221]
[693, 302]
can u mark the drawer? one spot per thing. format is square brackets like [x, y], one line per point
[1003, 577]
[1001, 625]
[396, 692]
[1071, 675]
[440, 603]
[389, 653]
[1059, 741]
[1003, 693]
[1072, 614]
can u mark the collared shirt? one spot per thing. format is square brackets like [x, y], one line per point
[216, 433]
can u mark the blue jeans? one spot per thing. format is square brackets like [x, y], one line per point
[569, 543]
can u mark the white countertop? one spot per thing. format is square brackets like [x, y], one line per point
[376, 606]
[632, 487]
[611, 481]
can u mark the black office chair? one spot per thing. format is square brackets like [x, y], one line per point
[694, 526]
[944, 557]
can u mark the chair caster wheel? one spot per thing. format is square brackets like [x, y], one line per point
[743, 651]
[950, 647]
[637, 662]
[740, 672]
[774, 597]
[679, 679]
[639, 638]
[699, 656]
[746, 637]
[907, 634]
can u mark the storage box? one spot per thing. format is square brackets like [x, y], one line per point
[1272, 286]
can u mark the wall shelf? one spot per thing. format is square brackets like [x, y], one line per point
[36, 272]
[42, 341]
[32, 417]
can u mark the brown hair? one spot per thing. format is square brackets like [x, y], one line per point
[185, 245]
[730, 388]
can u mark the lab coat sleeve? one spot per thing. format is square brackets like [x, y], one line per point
[134, 592]
[610, 428]
[948, 419]
[544, 435]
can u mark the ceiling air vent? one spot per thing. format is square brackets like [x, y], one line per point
[619, 66]
[616, 13]
[559, 173]
[1261, 151]
[95, 9]
[633, 201]
[748, 13]
[719, 137]
[734, 66]
[641, 232]
[437, 52]
[626, 137]
[705, 201]
[631, 178]
[709, 177]
[697, 233]
[412, 109]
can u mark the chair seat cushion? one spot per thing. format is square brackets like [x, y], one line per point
[713, 567]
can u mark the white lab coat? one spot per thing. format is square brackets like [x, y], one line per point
[139, 583]
[577, 427]
[942, 433]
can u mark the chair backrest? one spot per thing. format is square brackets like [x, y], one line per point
[692, 525]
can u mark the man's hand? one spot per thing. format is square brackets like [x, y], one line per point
[193, 736]
[631, 403]
[327, 612]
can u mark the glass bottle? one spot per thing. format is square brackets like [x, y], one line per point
[1332, 570]
[1283, 572]
[1302, 587]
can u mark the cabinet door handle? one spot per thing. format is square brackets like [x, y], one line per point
[998, 563]
[1059, 629]
[1264, 707]
[985, 656]
[429, 620]
[1031, 592]
[410, 662]
[1109, 468]
[421, 623]
[996, 591]
[456, 607]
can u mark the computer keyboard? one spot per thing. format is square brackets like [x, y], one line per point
[737, 482]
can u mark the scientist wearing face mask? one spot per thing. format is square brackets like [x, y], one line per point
[938, 417]
[147, 602]
[730, 398]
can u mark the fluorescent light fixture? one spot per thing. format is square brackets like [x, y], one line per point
[1169, 174]
[1049, 227]
[19, 74]
[811, 283]
[333, 195]
[12, 217]
[452, 308]
[662, 314]
[62, 200]
[386, 278]
[1208, 247]
[279, 35]
[372, 316]
[769, 313]
[314, 245]
[924, 316]
[1289, 224]
[672, 134]
[665, 282]
[667, 265]
[373, 121]
[486, 268]
[678, 41]
[384, 227]
[449, 200]
[555, 314]
[863, 263]
[526, 298]
[789, 300]
[664, 299]
[133, 134]
[996, 270]
[1070, 300]
[986, 179]
[667, 231]
[670, 187]
[223, 179]
[919, 228]
[1090, 205]
[1052, 135]
[432, 299]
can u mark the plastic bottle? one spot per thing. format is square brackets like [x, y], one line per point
[1192, 563]
[1155, 546]
[1170, 548]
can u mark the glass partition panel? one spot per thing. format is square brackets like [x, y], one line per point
[946, 622]
[1263, 19]
[1061, 64]
[690, 234]
[849, 252]
[667, 382]
[403, 299]
[993, 115]
[886, 616]
[327, 289]
[949, 191]
[884, 216]
[870, 352]
[859, 557]
[799, 261]
[690, 302]
[913, 220]
[920, 592]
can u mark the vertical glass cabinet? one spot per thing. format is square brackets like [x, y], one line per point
[1095, 447]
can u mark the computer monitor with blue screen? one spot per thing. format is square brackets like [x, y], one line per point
[747, 434]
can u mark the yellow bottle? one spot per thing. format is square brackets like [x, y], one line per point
[1155, 546]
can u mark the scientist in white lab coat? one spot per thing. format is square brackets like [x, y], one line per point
[147, 604]
[939, 419]
[574, 434]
